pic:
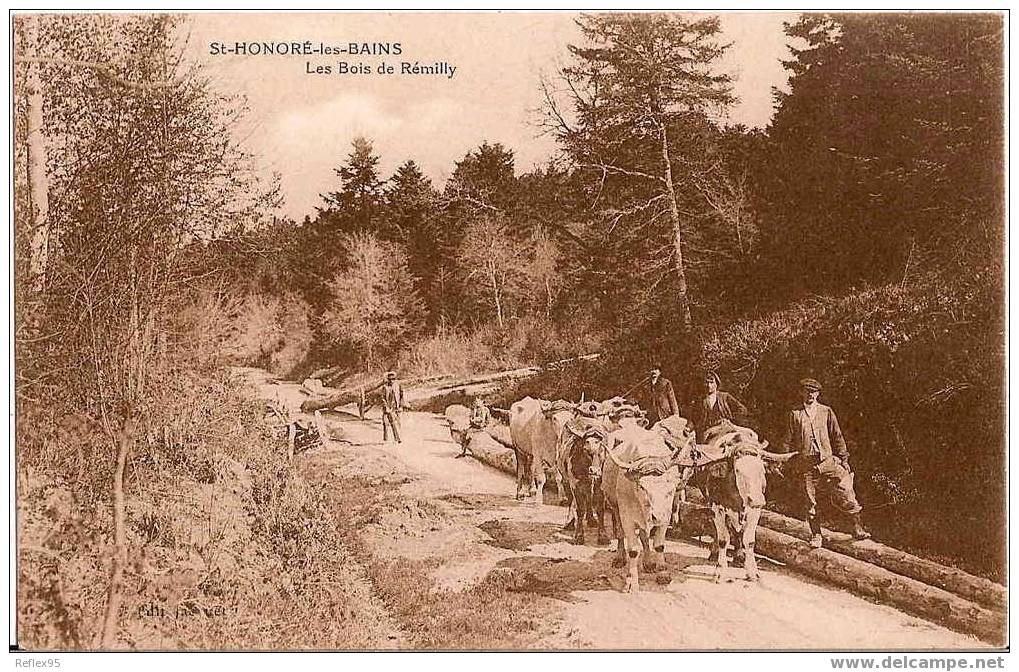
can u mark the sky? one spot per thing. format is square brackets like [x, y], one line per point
[302, 124]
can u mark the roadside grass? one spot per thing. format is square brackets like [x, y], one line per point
[487, 616]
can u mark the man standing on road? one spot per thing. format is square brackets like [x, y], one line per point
[480, 416]
[663, 397]
[813, 431]
[392, 405]
[717, 405]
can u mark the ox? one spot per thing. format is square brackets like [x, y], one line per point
[733, 465]
[580, 454]
[639, 482]
[535, 427]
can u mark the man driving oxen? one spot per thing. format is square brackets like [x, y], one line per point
[717, 405]
[662, 397]
[813, 432]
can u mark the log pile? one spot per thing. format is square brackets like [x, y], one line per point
[864, 578]
[974, 588]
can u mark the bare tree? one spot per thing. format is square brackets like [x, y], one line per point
[374, 307]
[493, 259]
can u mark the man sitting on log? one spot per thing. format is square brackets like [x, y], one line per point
[480, 417]
[813, 431]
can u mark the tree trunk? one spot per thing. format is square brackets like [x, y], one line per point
[109, 629]
[677, 237]
[38, 183]
[495, 293]
[975, 589]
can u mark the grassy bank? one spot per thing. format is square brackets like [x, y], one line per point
[228, 547]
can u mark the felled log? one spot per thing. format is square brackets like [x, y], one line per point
[341, 398]
[495, 452]
[514, 374]
[572, 360]
[974, 588]
[491, 377]
[864, 578]
[501, 435]
[434, 400]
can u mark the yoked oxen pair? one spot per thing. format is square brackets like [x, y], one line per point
[641, 473]
[580, 459]
[731, 463]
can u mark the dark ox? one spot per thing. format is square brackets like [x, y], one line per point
[580, 456]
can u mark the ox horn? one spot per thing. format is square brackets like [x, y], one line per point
[777, 457]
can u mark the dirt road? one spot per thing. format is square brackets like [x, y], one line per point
[461, 516]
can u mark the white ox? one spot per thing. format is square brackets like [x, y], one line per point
[732, 464]
[535, 426]
[639, 484]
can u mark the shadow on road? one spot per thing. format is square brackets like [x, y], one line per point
[560, 577]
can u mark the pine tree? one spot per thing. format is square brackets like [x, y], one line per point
[355, 206]
[412, 216]
[637, 85]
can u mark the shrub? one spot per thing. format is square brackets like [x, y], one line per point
[523, 342]
[268, 332]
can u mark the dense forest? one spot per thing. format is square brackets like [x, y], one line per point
[857, 239]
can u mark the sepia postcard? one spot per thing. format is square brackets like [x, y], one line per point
[510, 331]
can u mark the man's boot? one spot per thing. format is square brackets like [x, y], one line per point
[859, 532]
[815, 532]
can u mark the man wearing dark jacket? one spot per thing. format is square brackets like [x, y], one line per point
[663, 397]
[717, 405]
[392, 406]
[813, 431]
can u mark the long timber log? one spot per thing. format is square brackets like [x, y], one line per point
[974, 588]
[869, 580]
[501, 435]
[440, 384]
[491, 378]
[848, 565]
[341, 398]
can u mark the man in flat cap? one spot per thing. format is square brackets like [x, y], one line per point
[392, 405]
[813, 432]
